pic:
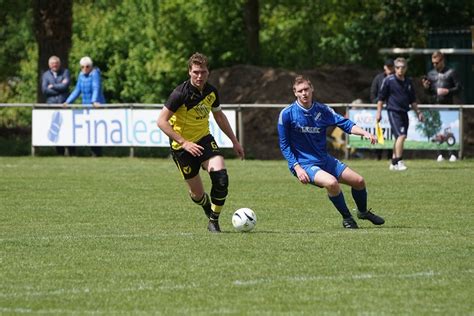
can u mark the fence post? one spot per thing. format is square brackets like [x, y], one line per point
[33, 149]
[461, 134]
[240, 125]
[132, 149]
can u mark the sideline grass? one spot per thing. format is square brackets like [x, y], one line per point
[120, 236]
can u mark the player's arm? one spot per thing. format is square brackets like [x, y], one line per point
[224, 125]
[378, 115]
[419, 114]
[457, 87]
[164, 124]
[357, 130]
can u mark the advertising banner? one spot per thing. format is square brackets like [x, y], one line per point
[109, 127]
[439, 131]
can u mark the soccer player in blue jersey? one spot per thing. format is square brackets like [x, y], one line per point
[302, 131]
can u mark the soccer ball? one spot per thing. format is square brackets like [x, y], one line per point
[244, 220]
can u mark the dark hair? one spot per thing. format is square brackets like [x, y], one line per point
[388, 62]
[197, 59]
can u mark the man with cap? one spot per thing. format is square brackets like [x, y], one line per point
[388, 69]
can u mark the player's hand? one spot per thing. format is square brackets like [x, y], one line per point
[426, 83]
[372, 138]
[378, 116]
[192, 148]
[239, 150]
[96, 104]
[421, 117]
[302, 175]
[442, 91]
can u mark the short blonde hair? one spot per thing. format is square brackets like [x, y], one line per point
[85, 61]
[300, 79]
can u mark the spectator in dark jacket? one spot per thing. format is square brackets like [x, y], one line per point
[377, 82]
[441, 84]
[398, 94]
[55, 82]
[388, 69]
[55, 87]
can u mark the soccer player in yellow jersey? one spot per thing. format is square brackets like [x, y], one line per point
[185, 119]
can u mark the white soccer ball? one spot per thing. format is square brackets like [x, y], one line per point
[244, 219]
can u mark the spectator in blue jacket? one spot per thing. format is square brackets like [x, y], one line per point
[89, 85]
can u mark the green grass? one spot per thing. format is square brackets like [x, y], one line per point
[120, 236]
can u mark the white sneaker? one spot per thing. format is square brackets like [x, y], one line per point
[401, 166]
[393, 167]
[440, 158]
[453, 158]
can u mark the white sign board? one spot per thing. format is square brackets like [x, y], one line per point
[109, 127]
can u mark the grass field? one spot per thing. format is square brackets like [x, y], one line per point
[120, 236]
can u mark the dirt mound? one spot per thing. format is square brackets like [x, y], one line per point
[250, 84]
[246, 84]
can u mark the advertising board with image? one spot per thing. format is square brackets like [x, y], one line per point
[439, 131]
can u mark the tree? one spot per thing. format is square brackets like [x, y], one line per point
[431, 125]
[252, 25]
[53, 31]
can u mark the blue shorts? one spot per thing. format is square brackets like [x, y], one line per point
[332, 166]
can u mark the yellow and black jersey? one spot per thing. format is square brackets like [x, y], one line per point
[191, 109]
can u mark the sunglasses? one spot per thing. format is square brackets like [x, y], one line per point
[85, 67]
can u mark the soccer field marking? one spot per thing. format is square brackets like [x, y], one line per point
[29, 291]
[365, 276]
[75, 237]
[21, 310]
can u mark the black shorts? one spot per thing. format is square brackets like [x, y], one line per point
[189, 165]
[399, 122]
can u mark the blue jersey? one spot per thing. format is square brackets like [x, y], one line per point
[397, 94]
[302, 132]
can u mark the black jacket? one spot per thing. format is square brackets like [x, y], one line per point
[445, 79]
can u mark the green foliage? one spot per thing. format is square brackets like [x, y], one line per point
[118, 236]
[18, 57]
[20, 89]
[142, 46]
[15, 35]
